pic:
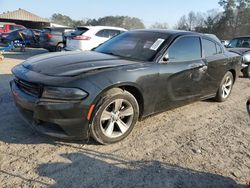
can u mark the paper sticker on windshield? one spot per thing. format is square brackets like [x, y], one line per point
[157, 44]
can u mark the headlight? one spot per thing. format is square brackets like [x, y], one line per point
[64, 93]
[246, 57]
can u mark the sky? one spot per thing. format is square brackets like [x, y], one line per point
[148, 10]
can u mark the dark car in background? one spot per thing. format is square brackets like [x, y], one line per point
[29, 36]
[241, 46]
[102, 93]
[52, 38]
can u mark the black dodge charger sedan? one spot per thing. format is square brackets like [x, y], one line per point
[103, 93]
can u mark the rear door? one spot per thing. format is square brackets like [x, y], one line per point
[182, 75]
[45, 35]
[216, 61]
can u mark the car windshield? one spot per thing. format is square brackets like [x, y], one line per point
[240, 43]
[137, 45]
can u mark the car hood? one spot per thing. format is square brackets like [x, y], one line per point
[73, 63]
[239, 51]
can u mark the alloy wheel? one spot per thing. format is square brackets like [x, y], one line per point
[227, 87]
[116, 118]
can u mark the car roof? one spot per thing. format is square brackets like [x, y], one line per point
[102, 27]
[166, 31]
[241, 37]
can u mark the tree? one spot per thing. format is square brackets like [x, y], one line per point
[182, 23]
[158, 25]
[62, 19]
[118, 21]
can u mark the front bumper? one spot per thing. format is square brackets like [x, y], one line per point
[61, 119]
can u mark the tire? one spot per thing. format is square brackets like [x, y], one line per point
[246, 72]
[59, 47]
[115, 116]
[225, 88]
[248, 106]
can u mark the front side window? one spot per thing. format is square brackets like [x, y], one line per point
[185, 49]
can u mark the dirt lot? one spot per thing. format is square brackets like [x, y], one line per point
[206, 144]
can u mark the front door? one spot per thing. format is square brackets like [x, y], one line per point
[182, 76]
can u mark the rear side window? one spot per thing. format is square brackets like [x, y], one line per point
[15, 27]
[80, 31]
[108, 33]
[46, 30]
[219, 49]
[185, 49]
[209, 48]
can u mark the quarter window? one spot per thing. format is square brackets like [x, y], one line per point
[185, 49]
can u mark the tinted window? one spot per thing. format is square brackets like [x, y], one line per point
[15, 27]
[80, 31]
[209, 48]
[134, 45]
[185, 49]
[219, 49]
[108, 33]
[243, 42]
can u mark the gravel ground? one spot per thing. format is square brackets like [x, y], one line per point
[205, 144]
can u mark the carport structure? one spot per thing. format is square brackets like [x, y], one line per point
[25, 18]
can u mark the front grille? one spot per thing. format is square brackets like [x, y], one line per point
[29, 88]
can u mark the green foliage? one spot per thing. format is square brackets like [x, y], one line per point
[158, 25]
[233, 21]
[117, 21]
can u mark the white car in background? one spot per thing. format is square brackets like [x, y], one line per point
[89, 37]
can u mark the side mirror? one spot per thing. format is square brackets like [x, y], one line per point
[165, 59]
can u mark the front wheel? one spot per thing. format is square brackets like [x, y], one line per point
[115, 117]
[225, 88]
[246, 72]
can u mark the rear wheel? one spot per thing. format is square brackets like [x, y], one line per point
[115, 117]
[59, 47]
[246, 72]
[225, 88]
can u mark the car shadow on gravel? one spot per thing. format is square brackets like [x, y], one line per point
[94, 169]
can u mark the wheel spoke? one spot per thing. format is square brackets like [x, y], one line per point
[110, 129]
[227, 91]
[127, 112]
[106, 115]
[228, 83]
[122, 126]
[118, 104]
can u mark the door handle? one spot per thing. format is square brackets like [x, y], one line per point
[203, 69]
[196, 65]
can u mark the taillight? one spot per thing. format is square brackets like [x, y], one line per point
[81, 37]
[49, 35]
